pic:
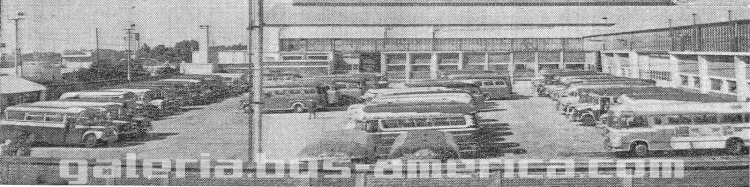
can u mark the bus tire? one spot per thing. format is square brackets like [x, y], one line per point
[734, 146]
[298, 108]
[639, 149]
[90, 141]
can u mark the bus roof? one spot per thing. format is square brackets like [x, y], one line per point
[137, 91]
[684, 108]
[22, 108]
[94, 93]
[439, 83]
[72, 104]
[421, 107]
[679, 96]
[181, 80]
[430, 97]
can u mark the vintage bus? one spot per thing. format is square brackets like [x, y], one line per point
[426, 130]
[168, 90]
[154, 98]
[129, 100]
[429, 97]
[373, 93]
[472, 88]
[642, 128]
[127, 125]
[598, 104]
[294, 97]
[58, 126]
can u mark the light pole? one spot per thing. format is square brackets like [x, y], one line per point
[19, 65]
[130, 52]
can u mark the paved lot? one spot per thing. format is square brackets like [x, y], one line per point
[220, 130]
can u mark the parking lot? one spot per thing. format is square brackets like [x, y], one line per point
[220, 129]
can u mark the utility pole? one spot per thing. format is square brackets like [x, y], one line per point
[255, 58]
[96, 49]
[130, 52]
[19, 63]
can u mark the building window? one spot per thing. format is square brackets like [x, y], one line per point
[396, 68]
[660, 75]
[574, 66]
[696, 82]
[685, 80]
[291, 57]
[520, 66]
[503, 67]
[317, 57]
[716, 84]
[732, 85]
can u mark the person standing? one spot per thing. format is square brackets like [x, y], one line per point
[313, 109]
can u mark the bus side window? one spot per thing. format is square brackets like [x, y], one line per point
[731, 118]
[500, 83]
[656, 120]
[747, 118]
[638, 121]
[390, 123]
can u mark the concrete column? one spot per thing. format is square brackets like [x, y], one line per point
[486, 61]
[562, 60]
[461, 60]
[617, 64]
[536, 65]
[674, 69]
[635, 67]
[703, 74]
[512, 66]
[383, 65]
[434, 65]
[407, 69]
[740, 74]
[605, 63]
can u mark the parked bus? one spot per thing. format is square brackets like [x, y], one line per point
[472, 88]
[595, 102]
[293, 97]
[129, 100]
[69, 126]
[642, 128]
[373, 93]
[153, 97]
[429, 97]
[127, 125]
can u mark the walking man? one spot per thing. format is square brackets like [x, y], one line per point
[313, 109]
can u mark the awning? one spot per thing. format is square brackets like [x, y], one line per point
[12, 84]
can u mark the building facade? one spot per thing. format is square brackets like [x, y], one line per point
[710, 58]
[76, 60]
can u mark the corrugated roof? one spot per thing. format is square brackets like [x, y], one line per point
[484, 2]
[12, 84]
[430, 15]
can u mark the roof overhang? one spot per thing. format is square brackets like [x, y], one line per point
[483, 3]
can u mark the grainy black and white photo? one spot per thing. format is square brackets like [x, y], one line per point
[375, 92]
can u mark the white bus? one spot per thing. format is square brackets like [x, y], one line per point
[641, 128]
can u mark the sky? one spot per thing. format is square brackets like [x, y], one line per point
[56, 25]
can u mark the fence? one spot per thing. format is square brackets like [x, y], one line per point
[731, 36]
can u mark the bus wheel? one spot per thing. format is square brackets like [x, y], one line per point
[90, 141]
[298, 108]
[588, 120]
[734, 146]
[639, 150]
